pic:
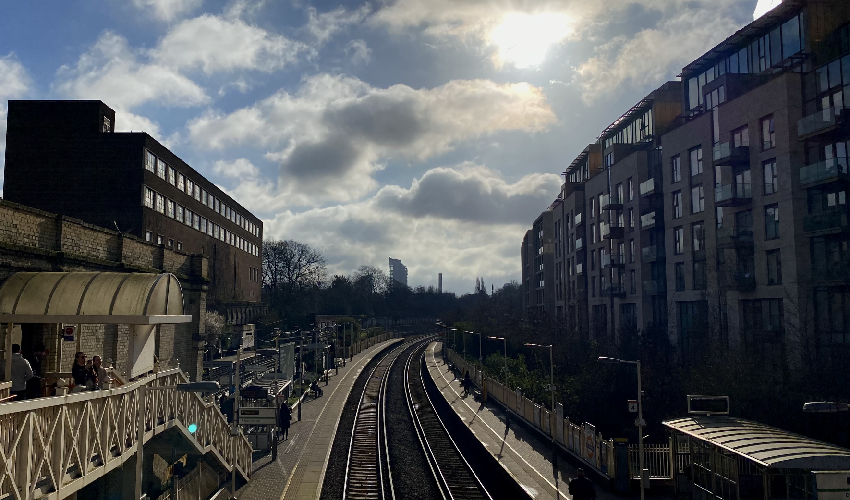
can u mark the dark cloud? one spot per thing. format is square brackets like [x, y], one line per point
[386, 120]
[315, 162]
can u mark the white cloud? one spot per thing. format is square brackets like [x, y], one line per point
[764, 6]
[112, 72]
[359, 52]
[240, 168]
[15, 81]
[322, 27]
[167, 10]
[332, 134]
[215, 44]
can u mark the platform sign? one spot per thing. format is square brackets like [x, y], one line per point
[708, 405]
[832, 485]
[68, 333]
[633, 406]
[257, 416]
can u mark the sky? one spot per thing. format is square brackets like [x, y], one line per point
[431, 131]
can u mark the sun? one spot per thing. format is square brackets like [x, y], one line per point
[523, 39]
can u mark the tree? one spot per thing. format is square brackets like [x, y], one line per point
[291, 264]
[371, 280]
[214, 325]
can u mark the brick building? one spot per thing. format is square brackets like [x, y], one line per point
[64, 157]
[718, 209]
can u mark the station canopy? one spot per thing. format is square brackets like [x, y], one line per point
[762, 444]
[92, 298]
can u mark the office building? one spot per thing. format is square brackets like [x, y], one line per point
[398, 272]
[65, 157]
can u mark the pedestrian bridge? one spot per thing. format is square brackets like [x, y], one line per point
[52, 447]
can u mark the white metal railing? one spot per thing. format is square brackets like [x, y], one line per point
[52, 447]
[657, 459]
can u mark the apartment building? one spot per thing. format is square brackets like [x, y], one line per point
[538, 270]
[719, 210]
[64, 157]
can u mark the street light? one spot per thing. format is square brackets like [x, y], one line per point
[480, 352]
[454, 339]
[505, 340]
[640, 423]
[275, 352]
[208, 386]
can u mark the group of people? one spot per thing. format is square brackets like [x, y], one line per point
[88, 375]
[27, 373]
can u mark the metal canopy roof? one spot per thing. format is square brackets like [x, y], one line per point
[764, 445]
[92, 297]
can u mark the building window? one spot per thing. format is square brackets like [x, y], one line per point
[203, 225]
[170, 243]
[774, 268]
[107, 125]
[161, 169]
[160, 203]
[180, 246]
[159, 239]
[150, 161]
[771, 222]
[190, 186]
[631, 251]
[593, 286]
[676, 166]
[699, 275]
[696, 161]
[762, 315]
[593, 233]
[593, 260]
[771, 183]
[741, 137]
[149, 197]
[698, 232]
[631, 189]
[679, 269]
[632, 283]
[181, 182]
[592, 208]
[631, 219]
[169, 208]
[149, 236]
[197, 192]
[679, 240]
[172, 176]
[189, 216]
[204, 196]
[677, 204]
[697, 199]
[178, 213]
[768, 134]
[196, 223]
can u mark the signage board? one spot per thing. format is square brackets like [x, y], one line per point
[708, 405]
[68, 332]
[254, 392]
[257, 416]
[832, 485]
[633, 406]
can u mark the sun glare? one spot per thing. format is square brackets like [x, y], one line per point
[523, 39]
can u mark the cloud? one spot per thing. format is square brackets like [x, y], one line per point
[215, 44]
[472, 193]
[322, 27]
[367, 231]
[167, 10]
[330, 136]
[112, 72]
[764, 6]
[240, 168]
[359, 52]
[15, 82]
[652, 55]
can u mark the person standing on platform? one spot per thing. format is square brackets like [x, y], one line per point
[285, 419]
[100, 371]
[466, 383]
[581, 488]
[21, 373]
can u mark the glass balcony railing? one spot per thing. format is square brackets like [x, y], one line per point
[654, 287]
[733, 194]
[824, 171]
[610, 231]
[647, 221]
[613, 289]
[613, 260]
[743, 282]
[578, 219]
[647, 187]
[611, 202]
[651, 253]
[820, 122]
[580, 268]
[728, 153]
[834, 220]
[832, 272]
[728, 237]
[579, 243]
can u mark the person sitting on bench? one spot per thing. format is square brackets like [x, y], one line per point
[316, 389]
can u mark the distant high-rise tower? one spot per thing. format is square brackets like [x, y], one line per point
[439, 282]
[398, 271]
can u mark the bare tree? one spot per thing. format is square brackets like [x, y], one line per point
[292, 265]
[371, 278]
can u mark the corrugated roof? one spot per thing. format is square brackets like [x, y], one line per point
[765, 445]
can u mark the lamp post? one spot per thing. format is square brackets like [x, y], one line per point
[454, 338]
[640, 423]
[276, 352]
[140, 432]
[507, 386]
[463, 337]
[480, 351]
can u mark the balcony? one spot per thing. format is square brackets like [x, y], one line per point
[613, 290]
[647, 221]
[652, 253]
[835, 273]
[610, 261]
[578, 219]
[824, 172]
[654, 287]
[580, 268]
[828, 222]
[821, 122]
[729, 154]
[733, 195]
[742, 282]
[727, 237]
[611, 202]
[579, 244]
[611, 232]
[650, 187]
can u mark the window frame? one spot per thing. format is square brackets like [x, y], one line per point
[768, 224]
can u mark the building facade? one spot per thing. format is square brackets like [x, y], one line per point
[64, 157]
[718, 211]
[398, 272]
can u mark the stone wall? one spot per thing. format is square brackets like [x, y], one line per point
[34, 240]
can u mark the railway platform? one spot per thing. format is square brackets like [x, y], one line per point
[522, 453]
[302, 459]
